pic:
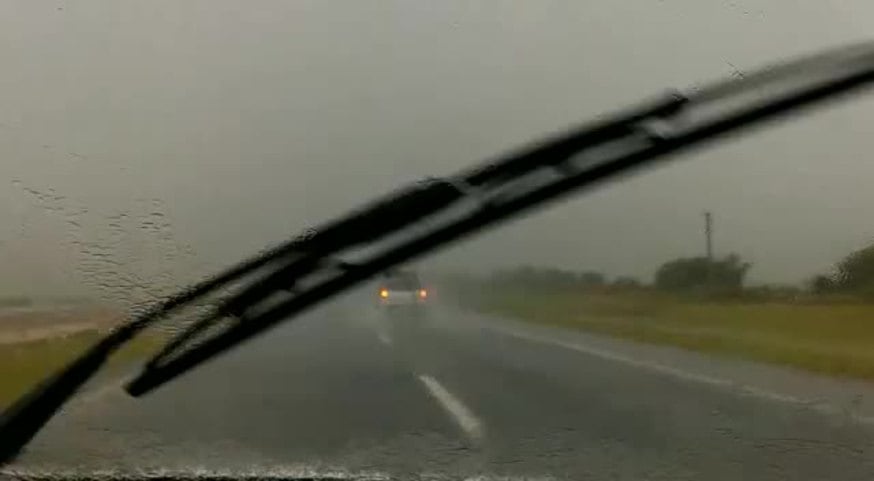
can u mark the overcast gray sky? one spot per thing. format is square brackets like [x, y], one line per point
[174, 136]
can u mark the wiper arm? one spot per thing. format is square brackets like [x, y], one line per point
[309, 269]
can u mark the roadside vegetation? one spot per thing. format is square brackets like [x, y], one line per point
[701, 304]
[15, 301]
[23, 364]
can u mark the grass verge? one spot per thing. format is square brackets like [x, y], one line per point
[829, 338]
[26, 363]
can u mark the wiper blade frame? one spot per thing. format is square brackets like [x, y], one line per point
[647, 134]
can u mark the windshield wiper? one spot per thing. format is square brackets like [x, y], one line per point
[325, 261]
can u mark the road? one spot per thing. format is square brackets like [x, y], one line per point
[342, 392]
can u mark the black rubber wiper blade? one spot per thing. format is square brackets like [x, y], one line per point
[647, 134]
[310, 270]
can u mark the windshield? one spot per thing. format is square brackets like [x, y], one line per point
[708, 319]
[405, 281]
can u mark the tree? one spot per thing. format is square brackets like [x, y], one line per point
[592, 278]
[856, 271]
[626, 282]
[695, 273]
[821, 284]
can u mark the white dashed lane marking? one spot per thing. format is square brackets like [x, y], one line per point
[463, 417]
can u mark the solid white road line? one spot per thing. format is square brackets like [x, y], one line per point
[462, 416]
[693, 377]
[384, 338]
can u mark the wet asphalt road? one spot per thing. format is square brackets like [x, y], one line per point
[348, 391]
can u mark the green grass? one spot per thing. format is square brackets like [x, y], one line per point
[835, 338]
[24, 364]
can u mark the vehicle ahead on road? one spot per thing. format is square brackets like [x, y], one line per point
[402, 291]
[257, 294]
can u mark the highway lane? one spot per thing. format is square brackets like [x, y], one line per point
[346, 391]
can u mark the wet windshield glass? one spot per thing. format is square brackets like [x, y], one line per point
[706, 319]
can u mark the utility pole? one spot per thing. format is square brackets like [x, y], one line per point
[708, 235]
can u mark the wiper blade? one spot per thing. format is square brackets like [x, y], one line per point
[412, 222]
[552, 169]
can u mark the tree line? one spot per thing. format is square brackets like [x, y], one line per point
[682, 274]
[852, 275]
[556, 278]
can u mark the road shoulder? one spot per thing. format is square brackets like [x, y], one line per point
[834, 396]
